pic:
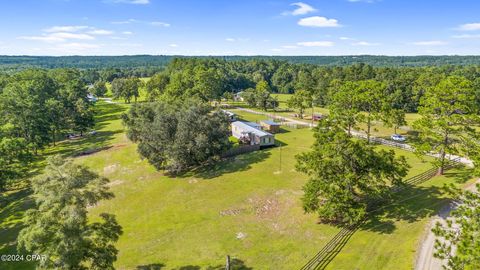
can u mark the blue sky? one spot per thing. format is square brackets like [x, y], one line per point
[240, 27]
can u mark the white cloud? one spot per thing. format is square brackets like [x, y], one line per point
[66, 28]
[430, 43]
[316, 44]
[125, 22]
[289, 47]
[127, 33]
[66, 36]
[230, 39]
[346, 38]
[131, 21]
[173, 45]
[465, 36]
[162, 24]
[100, 32]
[301, 9]
[136, 2]
[45, 38]
[469, 27]
[317, 21]
[58, 37]
[364, 43]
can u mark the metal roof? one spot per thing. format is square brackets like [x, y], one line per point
[270, 122]
[247, 128]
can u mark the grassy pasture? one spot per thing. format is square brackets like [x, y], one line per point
[248, 207]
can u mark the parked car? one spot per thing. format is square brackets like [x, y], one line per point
[398, 138]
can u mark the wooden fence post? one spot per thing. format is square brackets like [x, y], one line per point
[227, 265]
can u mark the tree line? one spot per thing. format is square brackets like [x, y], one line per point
[212, 79]
[138, 61]
[37, 108]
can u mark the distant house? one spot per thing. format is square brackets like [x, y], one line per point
[91, 98]
[270, 126]
[231, 116]
[253, 135]
[238, 96]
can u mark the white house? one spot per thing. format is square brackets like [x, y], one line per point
[252, 133]
[238, 96]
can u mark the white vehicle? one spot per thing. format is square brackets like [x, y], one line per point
[398, 138]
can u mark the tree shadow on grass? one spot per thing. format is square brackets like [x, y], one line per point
[229, 165]
[235, 264]
[153, 266]
[90, 143]
[12, 210]
[459, 174]
[410, 205]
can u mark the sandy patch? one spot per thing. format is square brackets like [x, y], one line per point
[111, 169]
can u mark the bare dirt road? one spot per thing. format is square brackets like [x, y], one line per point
[425, 259]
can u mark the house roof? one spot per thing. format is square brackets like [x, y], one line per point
[270, 123]
[247, 128]
[254, 125]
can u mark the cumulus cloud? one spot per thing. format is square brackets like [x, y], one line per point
[365, 43]
[125, 22]
[100, 32]
[173, 45]
[230, 39]
[469, 27]
[59, 37]
[316, 44]
[430, 43]
[466, 36]
[65, 28]
[132, 21]
[301, 9]
[162, 24]
[317, 21]
[289, 47]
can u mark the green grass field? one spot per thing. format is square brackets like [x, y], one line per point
[247, 207]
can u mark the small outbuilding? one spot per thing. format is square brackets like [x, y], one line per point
[270, 126]
[246, 133]
[231, 116]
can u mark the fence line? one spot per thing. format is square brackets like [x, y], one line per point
[243, 149]
[336, 244]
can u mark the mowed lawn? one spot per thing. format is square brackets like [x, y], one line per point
[247, 207]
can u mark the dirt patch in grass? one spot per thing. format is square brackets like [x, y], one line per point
[115, 183]
[111, 169]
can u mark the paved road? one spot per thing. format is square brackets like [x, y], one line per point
[425, 259]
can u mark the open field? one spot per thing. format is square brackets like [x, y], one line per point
[247, 207]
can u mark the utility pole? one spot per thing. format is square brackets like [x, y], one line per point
[280, 157]
[227, 265]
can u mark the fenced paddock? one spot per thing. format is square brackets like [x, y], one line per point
[326, 255]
